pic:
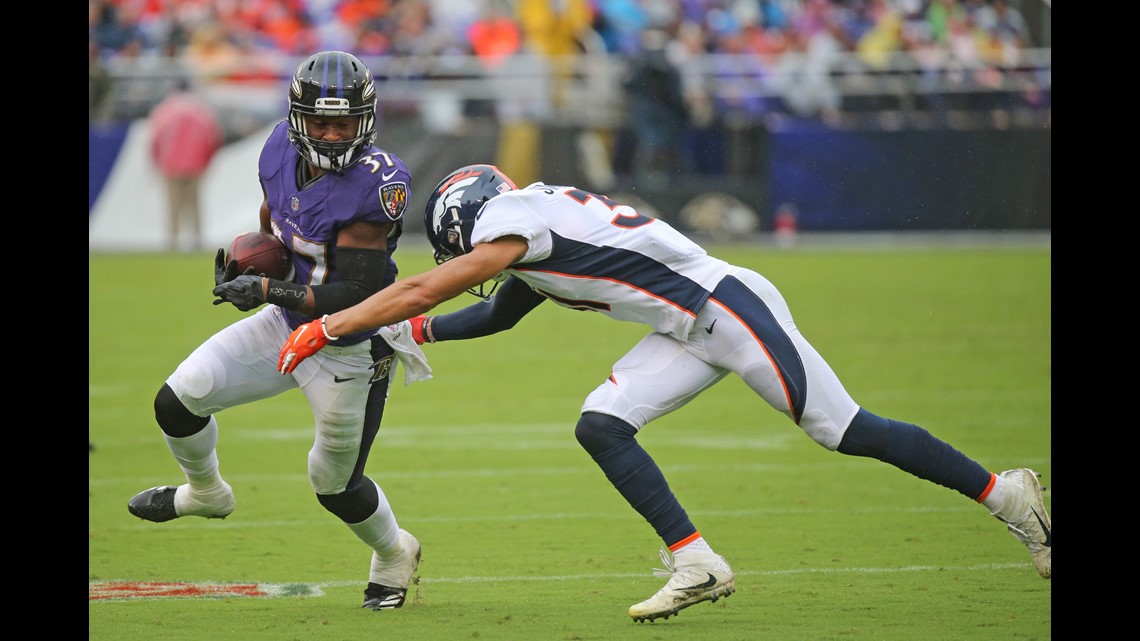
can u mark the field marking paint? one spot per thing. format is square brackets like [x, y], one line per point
[134, 590]
[121, 590]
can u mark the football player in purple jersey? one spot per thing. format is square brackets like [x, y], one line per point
[337, 203]
[709, 319]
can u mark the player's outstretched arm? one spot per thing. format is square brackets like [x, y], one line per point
[421, 293]
[404, 299]
[512, 300]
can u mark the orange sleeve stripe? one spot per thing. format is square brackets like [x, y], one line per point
[685, 541]
[989, 488]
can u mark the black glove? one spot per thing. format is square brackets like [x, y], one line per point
[224, 273]
[244, 292]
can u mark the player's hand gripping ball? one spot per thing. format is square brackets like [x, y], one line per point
[259, 253]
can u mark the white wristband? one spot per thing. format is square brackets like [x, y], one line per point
[325, 330]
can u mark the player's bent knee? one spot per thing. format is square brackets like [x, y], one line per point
[822, 429]
[173, 417]
[354, 504]
[194, 378]
[597, 433]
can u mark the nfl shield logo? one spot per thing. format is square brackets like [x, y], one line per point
[295, 203]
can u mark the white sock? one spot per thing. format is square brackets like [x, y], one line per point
[198, 458]
[697, 545]
[379, 531]
[996, 497]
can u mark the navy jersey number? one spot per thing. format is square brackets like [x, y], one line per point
[627, 220]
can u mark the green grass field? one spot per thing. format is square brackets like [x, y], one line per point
[525, 540]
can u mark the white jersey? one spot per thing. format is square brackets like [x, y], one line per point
[588, 252]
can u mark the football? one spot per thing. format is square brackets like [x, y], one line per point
[262, 251]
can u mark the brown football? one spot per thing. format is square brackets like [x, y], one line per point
[262, 251]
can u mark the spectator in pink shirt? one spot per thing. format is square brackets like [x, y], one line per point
[185, 134]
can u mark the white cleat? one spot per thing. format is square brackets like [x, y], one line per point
[706, 577]
[1023, 511]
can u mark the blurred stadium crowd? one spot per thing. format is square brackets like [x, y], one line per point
[798, 50]
[767, 102]
[216, 32]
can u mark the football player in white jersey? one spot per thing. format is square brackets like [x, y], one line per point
[708, 318]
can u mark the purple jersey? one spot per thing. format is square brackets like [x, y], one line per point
[375, 188]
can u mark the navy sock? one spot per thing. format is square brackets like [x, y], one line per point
[912, 449]
[612, 444]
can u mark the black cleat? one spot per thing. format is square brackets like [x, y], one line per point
[380, 597]
[155, 504]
